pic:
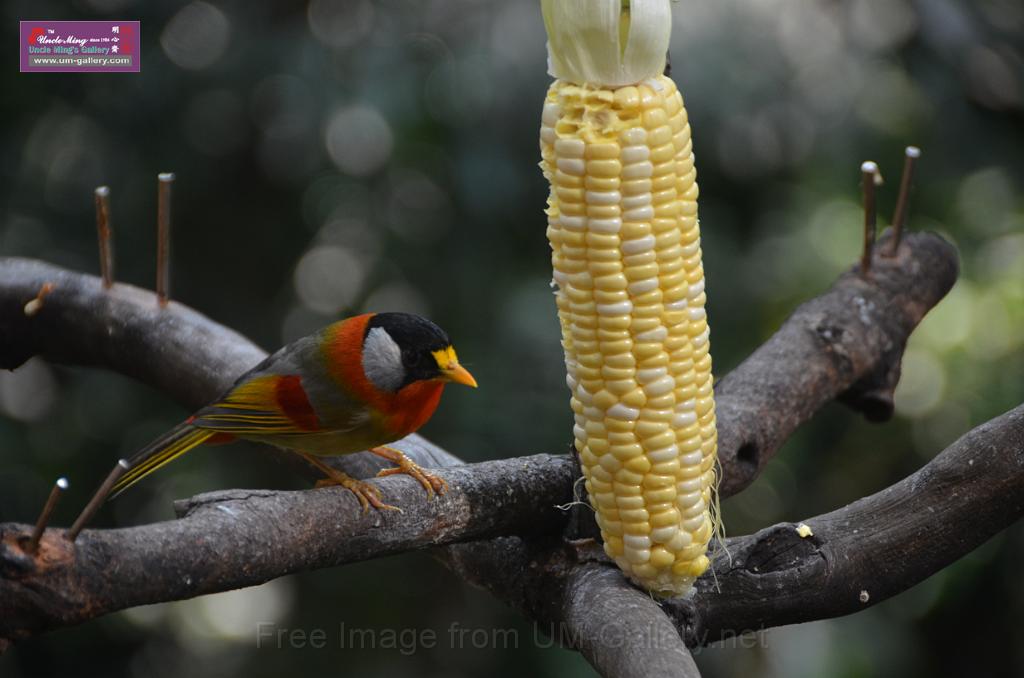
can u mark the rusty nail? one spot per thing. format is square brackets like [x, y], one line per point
[871, 177]
[163, 244]
[58, 490]
[911, 154]
[97, 499]
[103, 233]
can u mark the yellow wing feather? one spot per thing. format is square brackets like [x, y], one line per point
[251, 408]
[161, 452]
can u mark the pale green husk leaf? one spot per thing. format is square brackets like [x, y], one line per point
[609, 43]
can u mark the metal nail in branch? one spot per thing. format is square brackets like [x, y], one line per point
[97, 500]
[163, 284]
[104, 235]
[911, 154]
[163, 244]
[870, 178]
[59, 488]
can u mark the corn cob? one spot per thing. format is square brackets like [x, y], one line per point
[629, 286]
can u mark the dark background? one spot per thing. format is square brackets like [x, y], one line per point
[342, 156]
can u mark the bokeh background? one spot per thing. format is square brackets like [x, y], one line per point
[334, 157]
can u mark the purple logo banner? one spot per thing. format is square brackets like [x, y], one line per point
[80, 46]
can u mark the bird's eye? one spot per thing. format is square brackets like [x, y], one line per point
[414, 359]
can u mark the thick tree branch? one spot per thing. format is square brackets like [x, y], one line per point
[621, 630]
[192, 359]
[848, 342]
[871, 549]
[175, 349]
[580, 600]
[226, 540]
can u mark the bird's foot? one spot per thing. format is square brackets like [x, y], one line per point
[367, 494]
[407, 466]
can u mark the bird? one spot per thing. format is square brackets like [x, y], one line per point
[357, 384]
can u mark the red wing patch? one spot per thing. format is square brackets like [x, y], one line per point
[294, 403]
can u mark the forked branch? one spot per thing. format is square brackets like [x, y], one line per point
[847, 343]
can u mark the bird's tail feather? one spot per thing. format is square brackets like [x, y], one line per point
[161, 451]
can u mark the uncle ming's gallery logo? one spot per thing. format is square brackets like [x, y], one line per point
[80, 46]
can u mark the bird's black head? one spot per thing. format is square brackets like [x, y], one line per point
[400, 349]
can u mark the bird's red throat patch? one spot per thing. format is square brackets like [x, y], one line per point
[405, 411]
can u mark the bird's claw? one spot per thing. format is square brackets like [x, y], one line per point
[367, 494]
[430, 482]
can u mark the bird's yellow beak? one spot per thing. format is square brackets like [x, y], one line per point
[451, 370]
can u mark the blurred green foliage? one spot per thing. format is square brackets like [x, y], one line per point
[340, 156]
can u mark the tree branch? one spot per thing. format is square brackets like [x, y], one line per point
[870, 550]
[226, 540]
[848, 342]
[578, 597]
[620, 630]
[175, 349]
[823, 350]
